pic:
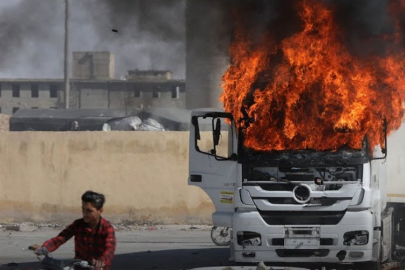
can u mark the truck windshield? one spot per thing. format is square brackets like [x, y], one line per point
[297, 158]
[318, 175]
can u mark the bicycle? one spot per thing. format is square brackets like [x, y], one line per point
[50, 263]
[221, 236]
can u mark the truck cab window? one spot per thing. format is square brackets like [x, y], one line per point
[213, 136]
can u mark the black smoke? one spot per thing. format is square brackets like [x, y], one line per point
[150, 35]
[366, 25]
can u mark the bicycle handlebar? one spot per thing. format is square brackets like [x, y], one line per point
[54, 264]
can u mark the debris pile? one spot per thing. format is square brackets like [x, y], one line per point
[133, 123]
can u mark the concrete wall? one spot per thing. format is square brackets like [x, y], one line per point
[143, 175]
[128, 99]
[94, 98]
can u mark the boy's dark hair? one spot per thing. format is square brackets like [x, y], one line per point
[96, 199]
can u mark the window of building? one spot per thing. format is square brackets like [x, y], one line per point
[54, 108]
[0, 109]
[137, 93]
[34, 90]
[15, 109]
[16, 90]
[53, 91]
[176, 92]
[0, 90]
[156, 94]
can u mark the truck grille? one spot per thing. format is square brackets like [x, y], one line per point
[302, 217]
[319, 201]
[302, 252]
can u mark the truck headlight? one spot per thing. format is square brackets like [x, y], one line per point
[355, 238]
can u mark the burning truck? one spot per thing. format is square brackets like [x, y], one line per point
[296, 164]
[293, 206]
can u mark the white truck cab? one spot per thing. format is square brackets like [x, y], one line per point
[312, 208]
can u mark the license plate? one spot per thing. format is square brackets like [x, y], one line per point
[297, 243]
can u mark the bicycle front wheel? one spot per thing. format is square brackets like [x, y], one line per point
[221, 236]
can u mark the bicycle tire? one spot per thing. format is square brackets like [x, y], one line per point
[221, 237]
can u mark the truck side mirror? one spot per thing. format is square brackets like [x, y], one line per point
[217, 132]
[194, 121]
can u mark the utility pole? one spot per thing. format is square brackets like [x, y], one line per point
[66, 59]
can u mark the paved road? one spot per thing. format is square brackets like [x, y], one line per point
[161, 247]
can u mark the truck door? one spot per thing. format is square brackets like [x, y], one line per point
[213, 161]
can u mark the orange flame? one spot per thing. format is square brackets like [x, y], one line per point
[308, 91]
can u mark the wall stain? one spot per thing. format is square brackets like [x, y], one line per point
[113, 146]
[78, 146]
[138, 147]
[23, 148]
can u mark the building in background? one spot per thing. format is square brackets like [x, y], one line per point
[93, 65]
[93, 86]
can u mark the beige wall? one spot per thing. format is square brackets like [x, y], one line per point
[143, 175]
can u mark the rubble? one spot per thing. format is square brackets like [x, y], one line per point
[27, 227]
[23, 227]
[12, 228]
[133, 123]
[49, 225]
[124, 226]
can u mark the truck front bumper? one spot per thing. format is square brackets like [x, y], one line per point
[278, 245]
